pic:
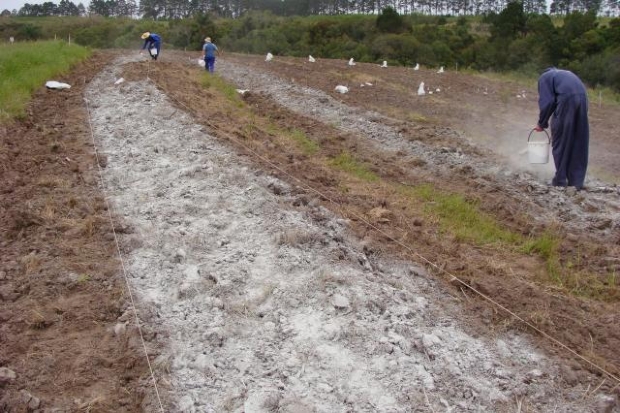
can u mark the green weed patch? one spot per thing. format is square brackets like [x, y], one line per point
[211, 81]
[307, 145]
[345, 162]
[462, 218]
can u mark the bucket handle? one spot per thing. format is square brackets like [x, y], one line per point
[544, 130]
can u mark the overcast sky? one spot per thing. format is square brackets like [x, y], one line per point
[11, 5]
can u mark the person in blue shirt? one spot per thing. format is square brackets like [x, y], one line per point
[562, 94]
[208, 53]
[152, 42]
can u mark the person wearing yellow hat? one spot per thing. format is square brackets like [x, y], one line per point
[208, 54]
[152, 43]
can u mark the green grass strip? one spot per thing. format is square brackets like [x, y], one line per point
[25, 67]
[547, 245]
[345, 162]
[211, 81]
[307, 145]
[462, 218]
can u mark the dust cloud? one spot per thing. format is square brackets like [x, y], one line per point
[509, 141]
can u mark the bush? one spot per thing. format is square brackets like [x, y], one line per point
[600, 69]
[389, 21]
[395, 47]
[443, 54]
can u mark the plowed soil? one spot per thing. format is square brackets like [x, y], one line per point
[64, 304]
[61, 293]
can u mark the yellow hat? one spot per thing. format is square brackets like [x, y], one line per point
[207, 39]
[145, 35]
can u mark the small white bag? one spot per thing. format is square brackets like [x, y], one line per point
[153, 51]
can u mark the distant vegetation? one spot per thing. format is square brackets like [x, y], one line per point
[24, 67]
[181, 9]
[512, 37]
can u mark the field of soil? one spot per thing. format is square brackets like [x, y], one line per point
[171, 243]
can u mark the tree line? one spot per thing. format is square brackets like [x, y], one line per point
[177, 9]
[510, 40]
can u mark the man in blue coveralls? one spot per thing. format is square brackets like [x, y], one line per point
[563, 95]
[152, 41]
[208, 53]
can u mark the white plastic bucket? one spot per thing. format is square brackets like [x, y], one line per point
[538, 151]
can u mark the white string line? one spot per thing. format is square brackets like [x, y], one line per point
[120, 256]
[380, 231]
